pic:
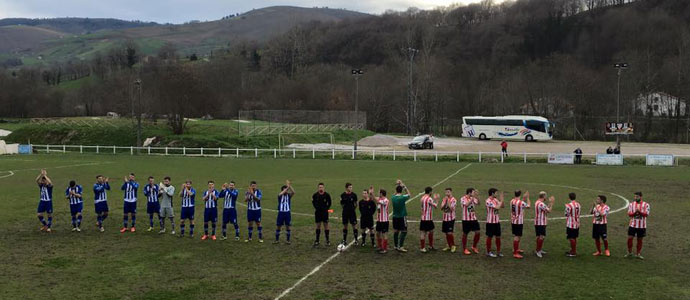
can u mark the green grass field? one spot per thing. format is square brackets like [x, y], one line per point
[146, 265]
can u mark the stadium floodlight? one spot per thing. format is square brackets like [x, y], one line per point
[356, 73]
[620, 66]
[137, 84]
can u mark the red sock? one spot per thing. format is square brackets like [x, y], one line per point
[639, 246]
[464, 241]
[598, 243]
[540, 243]
[516, 246]
[606, 244]
[431, 239]
[630, 243]
[476, 240]
[422, 244]
[488, 244]
[498, 244]
[572, 246]
[385, 244]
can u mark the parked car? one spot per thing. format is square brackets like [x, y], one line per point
[422, 142]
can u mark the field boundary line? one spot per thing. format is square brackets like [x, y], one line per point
[330, 258]
[5, 176]
[60, 167]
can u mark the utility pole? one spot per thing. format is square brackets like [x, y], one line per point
[137, 83]
[410, 102]
[356, 73]
[620, 67]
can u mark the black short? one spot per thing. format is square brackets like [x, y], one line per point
[366, 222]
[468, 226]
[382, 227]
[400, 224]
[448, 226]
[321, 216]
[540, 230]
[599, 231]
[517, 229]
[638, 232]
[572, 233]
[349, 218]
[426, 226]
[493, 229]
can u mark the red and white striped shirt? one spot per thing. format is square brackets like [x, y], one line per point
[468, 204]
[492, 210]
[600, 212]
[572, 215]
[541, 210]
[517, 211]
[428, 205]
[383, 209]
[451, 203]
[638, 212]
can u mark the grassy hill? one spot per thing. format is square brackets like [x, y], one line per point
[203, 37]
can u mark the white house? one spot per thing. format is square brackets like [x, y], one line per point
[659, 104]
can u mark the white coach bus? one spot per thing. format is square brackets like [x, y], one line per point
[528, 128]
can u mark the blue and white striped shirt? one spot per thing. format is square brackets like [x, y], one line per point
[74, 199]
[284, 202]
[212, 201]
[46, 192]
[99, 191]
[230, 196]
[130, 188]
[253, 201]
[151, 193]
[188, 197]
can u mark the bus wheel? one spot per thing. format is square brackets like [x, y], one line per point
[482, 136]
[529, 138]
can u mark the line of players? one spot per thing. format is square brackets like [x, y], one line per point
[159, 202]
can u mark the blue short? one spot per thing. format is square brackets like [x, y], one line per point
[229, 215]
[76, 208]
[210, 215]
[153, 207]
[254, 215]
[130, 207]
[187, 213]
[101, 207]
[45, 207]
[284, 218]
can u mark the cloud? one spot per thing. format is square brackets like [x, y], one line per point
[179, 11]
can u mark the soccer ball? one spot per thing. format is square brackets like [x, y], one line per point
[341, 247]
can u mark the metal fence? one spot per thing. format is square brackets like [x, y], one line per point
[350, 154]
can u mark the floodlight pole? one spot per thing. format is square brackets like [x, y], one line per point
[410, 106]
[137, 83]
[620, 67]
[356, 73]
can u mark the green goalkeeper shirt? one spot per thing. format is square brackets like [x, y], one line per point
[399, 208]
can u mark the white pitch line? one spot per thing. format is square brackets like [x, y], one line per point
[330, 258]
[5, 176]
[59, 167]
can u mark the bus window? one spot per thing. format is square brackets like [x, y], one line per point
[535, 125]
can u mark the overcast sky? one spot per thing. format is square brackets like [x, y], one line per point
[179, 11]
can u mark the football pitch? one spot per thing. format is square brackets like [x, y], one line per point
[148, 265]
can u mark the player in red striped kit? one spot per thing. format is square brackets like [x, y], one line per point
[541, 210]
[572, 223]
[600, 211]
[469, 203]
[493, 225]
[426, 225]
[382, 221]
[517, 215]
[448, 206]
[638, 212]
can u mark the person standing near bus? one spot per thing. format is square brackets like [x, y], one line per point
[504, 148]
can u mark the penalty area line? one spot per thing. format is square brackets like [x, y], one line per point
[330, 258]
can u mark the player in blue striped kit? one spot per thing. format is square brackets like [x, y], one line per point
[253, 199]
[76, 205]
[100, 200]
[187, 193]
[152, 204]
[45, 203]
[284, 216]
[210, 210]
[229, 193]
[130, 196]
